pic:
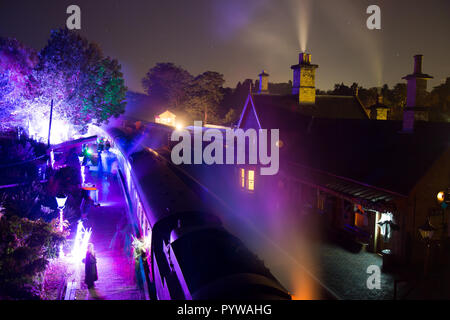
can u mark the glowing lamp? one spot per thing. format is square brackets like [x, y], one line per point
[81, 159]
[61, 200]
[427, 230]
[441, 196]
[279, 144]
[179, 126]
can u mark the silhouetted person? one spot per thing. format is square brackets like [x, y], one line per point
[90, 267]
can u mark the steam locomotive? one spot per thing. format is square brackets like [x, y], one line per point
[190, 253]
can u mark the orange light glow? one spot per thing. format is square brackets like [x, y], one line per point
[251, 180]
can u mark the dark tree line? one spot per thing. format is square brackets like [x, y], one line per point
[438, 99]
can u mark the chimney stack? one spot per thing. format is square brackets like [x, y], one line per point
[263, 82]
[418, 63]
[379, 111]
[304, 82]
[415, 109]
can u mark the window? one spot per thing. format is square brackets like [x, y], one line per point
[251, 180]
[243, 178]
[320, 201]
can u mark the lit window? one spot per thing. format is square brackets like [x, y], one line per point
[251, 180]
[361, 219]
[243, 178]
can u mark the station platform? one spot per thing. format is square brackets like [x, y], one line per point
[111, 237]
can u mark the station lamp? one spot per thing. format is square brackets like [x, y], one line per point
[61, 201]
[443, 198]
[427, 230]
[81, 159]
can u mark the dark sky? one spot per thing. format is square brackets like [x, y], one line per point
[239, 38]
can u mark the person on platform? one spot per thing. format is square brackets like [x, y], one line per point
[90, 267]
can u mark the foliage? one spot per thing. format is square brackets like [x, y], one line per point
[67, 180]
[231, 117]
[438, 99]
[109, 96]
[440, 102]
[25, 202]
[140, 247]
[13, 150]
[17, 156]
[168, 82]
[16, 82]
[25, 249]
[199, 96]
[84, 86]
[204, 96]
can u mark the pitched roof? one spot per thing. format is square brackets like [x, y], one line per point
[276, 111]
[369, 152]
[375, 153]
[166, 114]
[326, 106]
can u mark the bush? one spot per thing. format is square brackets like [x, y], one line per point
[25, 250]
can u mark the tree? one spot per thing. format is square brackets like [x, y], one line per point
[204, 96]
[25, 249]
[6, 107]
[230, 117]
[343, 90]
[168, 82]
[396, 100]
[84, 86]
[440, 102]
[107, 100]
[16, 82]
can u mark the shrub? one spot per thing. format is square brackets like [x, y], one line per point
[25, 250]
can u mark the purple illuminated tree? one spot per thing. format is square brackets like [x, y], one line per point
[17, 85]
[85, 86]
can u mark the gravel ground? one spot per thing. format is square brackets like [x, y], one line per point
[346, 273]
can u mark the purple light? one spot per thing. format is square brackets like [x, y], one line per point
[81, 242]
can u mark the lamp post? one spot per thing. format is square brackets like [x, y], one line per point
[443, 198]
[50, 124]
[61, 201]
[81, 159]
[427, 231]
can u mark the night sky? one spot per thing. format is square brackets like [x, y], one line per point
[239, 38]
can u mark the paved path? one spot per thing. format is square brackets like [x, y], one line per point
[116, 276]
[346, 273]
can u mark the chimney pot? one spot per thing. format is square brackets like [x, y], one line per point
[418, 63]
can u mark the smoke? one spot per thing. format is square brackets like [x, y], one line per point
[302, 10]
[349, 19]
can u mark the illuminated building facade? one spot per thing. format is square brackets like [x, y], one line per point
[167, 118]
